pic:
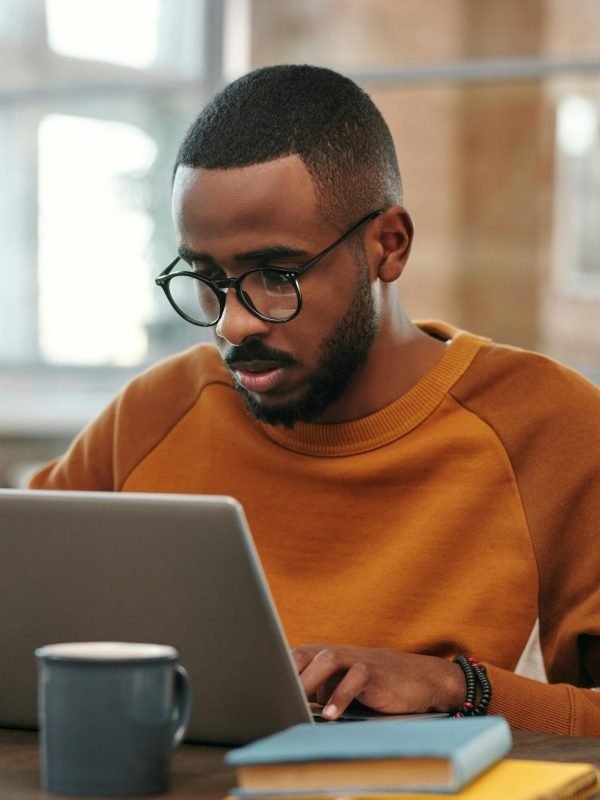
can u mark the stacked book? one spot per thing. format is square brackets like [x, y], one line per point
[380, 759]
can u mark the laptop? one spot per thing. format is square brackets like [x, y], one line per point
[171, 569]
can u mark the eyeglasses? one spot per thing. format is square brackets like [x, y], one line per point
[270, 293]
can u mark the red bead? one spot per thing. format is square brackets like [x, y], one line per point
[473, 662]
[467, 704]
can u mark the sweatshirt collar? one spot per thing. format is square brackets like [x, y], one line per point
[395, 420]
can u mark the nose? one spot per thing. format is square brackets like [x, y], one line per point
[237, 323]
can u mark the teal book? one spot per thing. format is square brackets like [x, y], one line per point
[435, 755]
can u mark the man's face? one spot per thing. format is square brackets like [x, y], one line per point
[237, 219]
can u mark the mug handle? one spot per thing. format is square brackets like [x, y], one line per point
[182, 710]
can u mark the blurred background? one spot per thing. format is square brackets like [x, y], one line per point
[494, 107]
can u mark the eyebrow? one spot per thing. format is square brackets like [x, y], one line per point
[265, 254]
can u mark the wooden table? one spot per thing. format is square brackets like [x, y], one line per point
[198, 772]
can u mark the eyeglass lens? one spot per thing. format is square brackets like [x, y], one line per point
[268, 292]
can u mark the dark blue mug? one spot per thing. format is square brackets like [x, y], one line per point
[110, 713]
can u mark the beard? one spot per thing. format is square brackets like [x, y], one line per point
[341, 356]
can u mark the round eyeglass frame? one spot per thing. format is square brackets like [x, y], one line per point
[219, 286]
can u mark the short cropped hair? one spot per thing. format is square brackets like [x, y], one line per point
[313, 112]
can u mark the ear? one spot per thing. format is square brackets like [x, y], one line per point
[394, 233]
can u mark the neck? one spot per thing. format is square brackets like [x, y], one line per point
[401, 355]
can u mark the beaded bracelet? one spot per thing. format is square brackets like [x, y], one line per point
[474, 674]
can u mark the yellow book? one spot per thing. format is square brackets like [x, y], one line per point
[510, 779]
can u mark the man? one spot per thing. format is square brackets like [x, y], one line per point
[415, 492]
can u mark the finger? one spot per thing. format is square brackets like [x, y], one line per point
[323, 666]
[325, 691]
[302, 656]
[352, 685]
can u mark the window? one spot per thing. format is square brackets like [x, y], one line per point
[494, 109]
[89, 281]
[94, 99]
[88, 30]
[577, 204]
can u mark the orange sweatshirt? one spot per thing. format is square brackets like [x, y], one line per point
[462, 518]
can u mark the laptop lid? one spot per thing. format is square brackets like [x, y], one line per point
[171, 569]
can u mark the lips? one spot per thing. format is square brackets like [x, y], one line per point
[258, 376]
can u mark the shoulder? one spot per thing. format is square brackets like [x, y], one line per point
[544, 414]
[158, 398]
[135, 422]
[181, 378]
[507, 384]
[513, 386]
[547, 419]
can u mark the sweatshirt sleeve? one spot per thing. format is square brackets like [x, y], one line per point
[548, 419]
[532, 705]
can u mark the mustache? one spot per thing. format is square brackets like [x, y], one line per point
[257, 351]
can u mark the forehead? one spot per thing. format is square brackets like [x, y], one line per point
[257, 201]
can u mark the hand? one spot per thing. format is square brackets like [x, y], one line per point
[389, 681]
